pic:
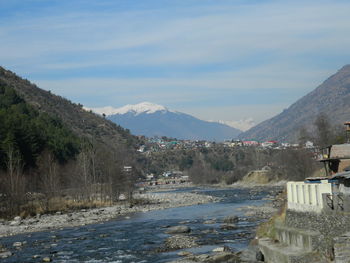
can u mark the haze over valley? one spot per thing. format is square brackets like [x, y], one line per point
[174, 131]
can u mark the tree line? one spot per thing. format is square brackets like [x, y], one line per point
[220, 164]
[322, 132]
[45, 167]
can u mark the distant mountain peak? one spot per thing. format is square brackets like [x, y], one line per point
[135, 109]
[151, 120]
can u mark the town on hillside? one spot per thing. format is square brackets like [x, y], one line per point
[157, 144]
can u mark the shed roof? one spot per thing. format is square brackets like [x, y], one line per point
[317, 178]
[341, 151]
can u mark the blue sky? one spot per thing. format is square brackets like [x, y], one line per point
[215, 59]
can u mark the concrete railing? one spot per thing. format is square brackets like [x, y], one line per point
[307, 197]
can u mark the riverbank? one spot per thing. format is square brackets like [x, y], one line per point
[150, 201]
[218, 229]
[253, 213]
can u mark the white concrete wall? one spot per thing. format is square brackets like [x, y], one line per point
[307, 197]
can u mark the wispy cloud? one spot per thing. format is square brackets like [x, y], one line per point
[176, 52]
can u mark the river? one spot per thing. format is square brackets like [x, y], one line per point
[138, 238]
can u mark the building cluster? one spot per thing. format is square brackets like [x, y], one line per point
[163, 144]
[328, 192]
[317, 219]
[168, 177]
[266, 144]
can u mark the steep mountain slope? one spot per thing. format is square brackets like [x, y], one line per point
[26, 133]
[332, 97]
[155, 120]
[82, 122]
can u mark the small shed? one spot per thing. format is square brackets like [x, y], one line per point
[336, 158]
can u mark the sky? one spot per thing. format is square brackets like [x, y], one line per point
[215, 59]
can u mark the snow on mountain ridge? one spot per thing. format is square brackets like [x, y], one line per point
[242, 125]
[136, 109]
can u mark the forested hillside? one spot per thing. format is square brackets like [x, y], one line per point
[26, 133]
[52, 151]
[82, 122]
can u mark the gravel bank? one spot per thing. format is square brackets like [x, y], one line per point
[157, 201]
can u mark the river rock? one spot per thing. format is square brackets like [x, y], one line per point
[228, 227]
[178, 230]
[17, 244]
[184, 254]
[179, 242]
[210, 221]
[15, 223]
[221, 249]
[31, 221]
[201, 258]
[231, 219]
[5, 254]
[46, 259]
[17, 218]
[227, 257]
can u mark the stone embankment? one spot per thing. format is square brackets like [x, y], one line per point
[154, 201]
[308, 237]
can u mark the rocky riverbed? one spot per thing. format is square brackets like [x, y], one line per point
[217, 230]
[152, 201]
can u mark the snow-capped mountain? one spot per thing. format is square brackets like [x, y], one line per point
[150, 120]
[143, 107]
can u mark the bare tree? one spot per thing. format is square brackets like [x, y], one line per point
[15, 189]
[304, 136]
[49, 176]
[295, 164]
[324, 133]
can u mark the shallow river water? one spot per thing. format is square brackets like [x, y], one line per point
[138, 238]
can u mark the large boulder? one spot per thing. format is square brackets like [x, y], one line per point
[5, 254]
[231, 219]
[178, 230]
[227, 257]
[210, 221]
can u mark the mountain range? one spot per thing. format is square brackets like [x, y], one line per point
[332, 98]
[151, 120]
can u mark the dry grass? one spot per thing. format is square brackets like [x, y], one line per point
[58, 204]
[268, 229]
